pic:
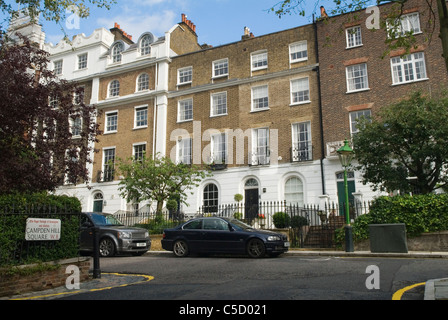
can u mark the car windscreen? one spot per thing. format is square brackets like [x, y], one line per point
[105, 220]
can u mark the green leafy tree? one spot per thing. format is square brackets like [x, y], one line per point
[434, 10]
[405, 146]
[52, 10]
[157, 179]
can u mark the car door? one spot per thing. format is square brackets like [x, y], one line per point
[218, 237]
[192, 233]
[86, 233]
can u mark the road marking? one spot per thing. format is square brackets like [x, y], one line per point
[399, 294]
[146, 278]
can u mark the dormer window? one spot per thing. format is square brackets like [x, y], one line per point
[117, 52]
[145, 45]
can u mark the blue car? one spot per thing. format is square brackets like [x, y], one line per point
[222, 235]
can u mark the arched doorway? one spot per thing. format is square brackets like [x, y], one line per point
[98, 202]
[251, 196]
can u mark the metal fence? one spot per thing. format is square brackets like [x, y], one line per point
[308, 226]
[15, 249]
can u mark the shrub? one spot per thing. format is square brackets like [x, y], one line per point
[14, 211]
[281, 220]
[420, 214]
[298, 222]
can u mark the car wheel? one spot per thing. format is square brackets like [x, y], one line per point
[180, 249]
[107, 247]
[256, 248]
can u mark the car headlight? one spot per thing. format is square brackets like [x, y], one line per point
[146, 234]
[124, 235]
[274, 238]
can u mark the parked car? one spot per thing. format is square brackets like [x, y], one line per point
[114, 237]
[222, 235]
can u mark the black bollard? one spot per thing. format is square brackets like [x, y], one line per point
[96, 254]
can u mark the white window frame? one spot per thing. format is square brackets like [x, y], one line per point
[145, 45]
[355, 116]
[357, 71]
[297, 49]
[259, 95]
[182, 112]
[58, 67]
[220, 68]
[105, 162]
[410, 63]
[140, 118]
[117, 52]
[260, 151]
[405, 25]
[113, 90]
[185, 150]
[302, 142]
[82, 61]
[76, 126]
[354, 37]
[300, 91]
[143, 85]
[108, 125]
[296, 193]
[218, 104]
[137, 152]
[219, 148]
[184, 76]
[259, 60]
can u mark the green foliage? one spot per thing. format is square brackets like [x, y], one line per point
[12, 227]
[281, 220]
[157, 179]
[238, 197]
[420, 214]
[299, 221]
[406, 139]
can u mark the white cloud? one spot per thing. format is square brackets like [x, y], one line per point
[138, 23]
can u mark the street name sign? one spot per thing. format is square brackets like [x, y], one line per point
[43, 229]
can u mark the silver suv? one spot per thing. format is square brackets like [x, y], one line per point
[114, 237]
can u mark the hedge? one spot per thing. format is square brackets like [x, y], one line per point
[17, 208]
[420, 214]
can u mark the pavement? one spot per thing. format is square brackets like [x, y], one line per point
[435, 289]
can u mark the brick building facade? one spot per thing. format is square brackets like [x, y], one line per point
[268, 112]
[359, 76]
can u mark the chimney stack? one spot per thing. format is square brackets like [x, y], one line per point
[120, 34]
[247, 34]
[189, 23]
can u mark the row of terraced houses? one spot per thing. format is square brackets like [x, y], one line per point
[268, 112]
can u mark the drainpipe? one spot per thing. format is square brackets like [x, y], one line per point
[317, 69]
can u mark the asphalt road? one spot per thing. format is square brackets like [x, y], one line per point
[290, 278]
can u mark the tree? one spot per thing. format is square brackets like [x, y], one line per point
[157, 179]
[436, 9]
[405, 146]
[46, 129]
[53, 10]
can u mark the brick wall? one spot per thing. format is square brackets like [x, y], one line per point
[20, 284]
[334, 57]
[238, 85]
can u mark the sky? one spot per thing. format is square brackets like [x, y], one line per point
[217, 21]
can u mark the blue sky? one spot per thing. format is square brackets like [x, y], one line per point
[218, 21]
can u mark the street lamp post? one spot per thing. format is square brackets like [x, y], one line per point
[346, 156]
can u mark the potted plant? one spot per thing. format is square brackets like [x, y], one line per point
[262, 220]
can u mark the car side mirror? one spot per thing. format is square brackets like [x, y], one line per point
[231, 228]
[87, 225]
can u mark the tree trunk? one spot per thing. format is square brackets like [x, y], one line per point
[443, 17]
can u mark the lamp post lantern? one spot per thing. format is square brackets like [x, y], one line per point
[346, 155]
